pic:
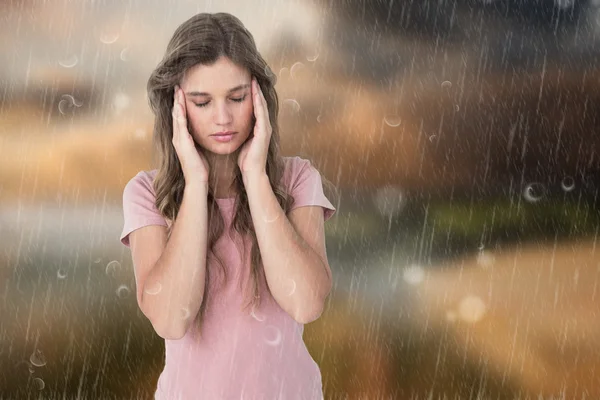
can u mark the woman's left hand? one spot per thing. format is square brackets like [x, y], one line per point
[253, 155]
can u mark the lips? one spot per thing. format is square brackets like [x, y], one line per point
[223, 133]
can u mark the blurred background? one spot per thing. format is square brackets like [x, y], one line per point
[463, 137]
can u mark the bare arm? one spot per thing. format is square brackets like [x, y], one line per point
[171, 291]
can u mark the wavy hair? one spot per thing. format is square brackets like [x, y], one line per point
[203, 39]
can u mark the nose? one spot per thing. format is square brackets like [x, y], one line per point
[222, 114]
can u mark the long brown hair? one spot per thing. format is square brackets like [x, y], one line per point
[202, 39]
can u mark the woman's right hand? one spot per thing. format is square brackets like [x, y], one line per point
[193, 162]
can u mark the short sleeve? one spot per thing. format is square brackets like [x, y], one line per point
[139, 209]
[307, 187]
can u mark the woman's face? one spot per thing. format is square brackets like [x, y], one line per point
[218, 98]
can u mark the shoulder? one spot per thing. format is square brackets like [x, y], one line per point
[140, 187]
[143, 180]
[294, 167]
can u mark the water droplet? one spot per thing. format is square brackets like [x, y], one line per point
[446, 84]
[153, 289]
[65, 107]
[97, 260]
[61, 273]
[273, 336]
[456, 108]
[291, 105]
[284, 72]
[38, 383]
[413, 274]
[69, 62]
[432, 138]
[293, 287]
[109, 38]
[112, 268]
[392, 120]
[313, 57]
[471, 309]
[37, 358]
[534, 192]
[185, 313]
[123, 291]
[258, 317]
[297, 69]
[568, 184]
[124, 54]
[67, 104]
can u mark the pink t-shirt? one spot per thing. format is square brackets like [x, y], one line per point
[258, 354]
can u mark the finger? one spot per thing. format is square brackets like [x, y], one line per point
[265, 108]
[258, 106]
[182, 102]
[174, 113]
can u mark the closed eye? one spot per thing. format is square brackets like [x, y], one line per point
[237, 100]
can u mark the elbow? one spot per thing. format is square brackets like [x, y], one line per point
[168, 333]
[311, 314]
[314, 312]
[308, 318]
[167, 330]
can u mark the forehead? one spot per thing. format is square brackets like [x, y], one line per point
[217, 78]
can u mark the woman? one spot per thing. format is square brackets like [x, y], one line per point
[226, 235]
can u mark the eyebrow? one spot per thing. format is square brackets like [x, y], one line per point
[239, 87]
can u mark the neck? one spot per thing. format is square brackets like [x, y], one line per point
[222, 171]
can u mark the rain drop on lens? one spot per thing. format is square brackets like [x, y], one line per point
[292, 105]
[392, 120]
[69, 62]
[153, 289]
[123, 291]
[65, 107]
[284, 72]
[293, 287]
[112, 268]
[446, 84]
[296, 70]
[37, 359]
[185, 313]
[533, 192]
[67, 104]
[255, 315]
[124, 54]
[61, 273]
[313, 57]
[108, 38]
[568, 184]
[272, 335]
[38, 383]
